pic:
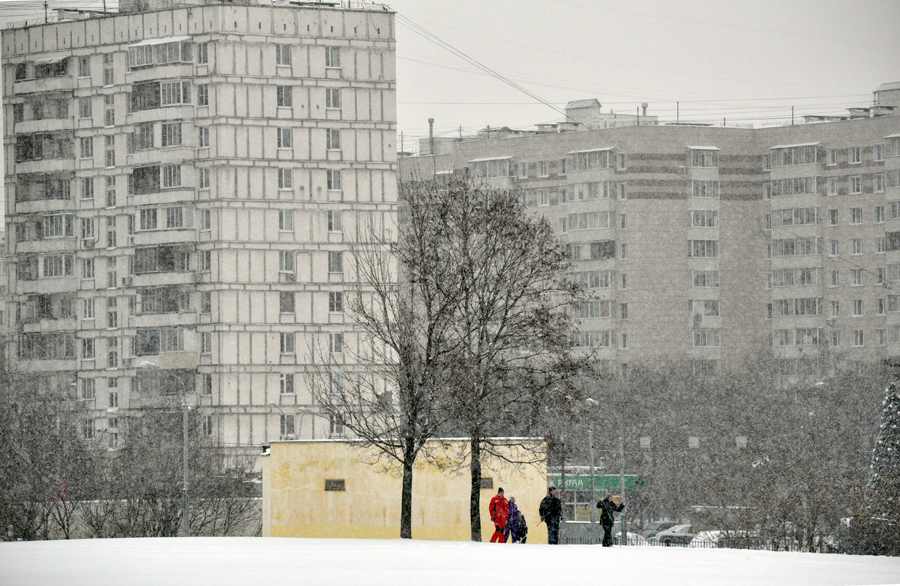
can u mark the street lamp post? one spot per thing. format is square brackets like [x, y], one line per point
[591, 403]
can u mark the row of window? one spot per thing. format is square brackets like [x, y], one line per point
[808, 154]
[833, 338]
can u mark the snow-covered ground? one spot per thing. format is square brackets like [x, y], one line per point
[312, 562]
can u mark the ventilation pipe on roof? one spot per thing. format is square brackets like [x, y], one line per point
[431, 135]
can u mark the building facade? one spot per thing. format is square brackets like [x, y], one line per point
[183, 186]
[713, 244]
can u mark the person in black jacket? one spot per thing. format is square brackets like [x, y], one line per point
[551, 513]
[608, 508]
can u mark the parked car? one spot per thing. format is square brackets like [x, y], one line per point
[675, 535]
[655, 527]
[709, 539]
[633, 538]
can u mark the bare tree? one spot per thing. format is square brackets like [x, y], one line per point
[390, 396]
[513, 338]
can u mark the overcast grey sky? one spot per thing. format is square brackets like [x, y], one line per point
[746, 61]
[743, 61]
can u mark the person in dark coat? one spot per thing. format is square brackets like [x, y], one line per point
[522, 529]
[511, 533]
[608, 509]
[499, 509]
[551, 513]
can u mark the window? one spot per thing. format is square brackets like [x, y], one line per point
[202, 53]
[832, 217]
[287, 426]
[287, 384]
[108, 69]
[110, 151]
[856, 184]
[286, 302]
[333, 179]
[878, 152]
[543, 197]
[207, 385]
[523, 170]
[285, 179]
[85, 109]
[704, 218]
[335, 223]
[203, 94]
[705, 189]
[622, 191]
[333, 98]
[832, 156]
[706, 337]
[856, 246]
[87, 269]
[856, 215]
[287, 343]
[282, 54]
[857, 307]
[142, 137]
[206, 302]
[87, 349]
[858, 339]
[623, 281]
[203, 137]
[835, 308]
[704, 158]
[284, 96]
[543, 168]
[148, 219]
[621, 161]
[84, 66]
[705, 279]
[171, 134]
[856, 277]
[205, 342]
[88, 389]
[703, 248]
[335, 262]
[335, 302]
[833, 186]
[205, 219]
[152, 55]
[855, 155]
[878, 182]
[834, 248]
[333, 139]
[110, 191]
[880, 244]
[879, 214]
[171, 175]
[203, 179]
[87, 228]
[174, 92]
[286, 220]
[336, 343]
[623, 221]
[87, 147]
[204, 260]
[562, 166]
[285, 261]
[285, 138]
[834, 278]
[87, 308]
[109, 102]
[333, 57]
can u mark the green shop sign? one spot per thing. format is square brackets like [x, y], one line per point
[601, 482]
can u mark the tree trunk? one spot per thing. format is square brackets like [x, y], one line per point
[406, 494]
[475, 493]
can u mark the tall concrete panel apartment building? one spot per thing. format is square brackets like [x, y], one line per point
[714, 243]
[184, 181]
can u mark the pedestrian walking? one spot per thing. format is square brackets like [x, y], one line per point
[499, 509]
[522, 529]
[608, 509]
[551, 513]
[511, 533]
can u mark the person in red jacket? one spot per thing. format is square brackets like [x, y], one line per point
[499, 509]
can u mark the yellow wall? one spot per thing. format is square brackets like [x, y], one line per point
[295, 503]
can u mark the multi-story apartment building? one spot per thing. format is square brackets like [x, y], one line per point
[714, 243]
[184, 181]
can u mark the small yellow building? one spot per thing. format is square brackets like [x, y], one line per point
[342, 488]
